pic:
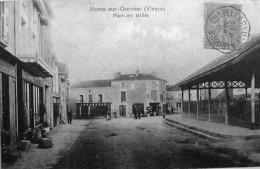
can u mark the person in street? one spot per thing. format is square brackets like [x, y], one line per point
[139, 113]
[135, 116]
[42, 112]
[70, 117]
[108, 116]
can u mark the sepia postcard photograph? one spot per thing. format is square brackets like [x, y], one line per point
[129, 84]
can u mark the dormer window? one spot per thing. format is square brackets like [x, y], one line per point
[123, 85]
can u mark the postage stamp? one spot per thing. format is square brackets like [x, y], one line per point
[226, 27]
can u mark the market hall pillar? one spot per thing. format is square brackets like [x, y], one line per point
[226, 102]
[182, 100]
[189, 101]
[198, 102]
[209, 101]
[253, 125]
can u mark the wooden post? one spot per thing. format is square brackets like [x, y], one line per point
[209, 102]
[189, 101]
[89, 110]
[1, 119]
[182, 100]
[226, 102]
[198, 102]
[246, 91]
[253, 101]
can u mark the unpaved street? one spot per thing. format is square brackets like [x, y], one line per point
[146, 143]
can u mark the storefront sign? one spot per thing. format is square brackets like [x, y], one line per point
[7, 68]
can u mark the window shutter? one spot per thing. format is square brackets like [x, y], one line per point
[5, 23]
[1, 19]
[154, 94]
[123, 96]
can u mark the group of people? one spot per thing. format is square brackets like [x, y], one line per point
[137, 113]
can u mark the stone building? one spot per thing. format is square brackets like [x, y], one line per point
[91, 98]
[138, 91]
[64, 91]
[122, 95]
[27, 68]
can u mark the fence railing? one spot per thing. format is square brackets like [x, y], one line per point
[239, 111]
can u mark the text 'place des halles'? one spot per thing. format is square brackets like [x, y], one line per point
[128, 84]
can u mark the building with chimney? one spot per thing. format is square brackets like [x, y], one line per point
[122, 96]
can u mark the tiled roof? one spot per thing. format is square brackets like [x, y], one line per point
[172, 88]
[92, 83]
[221, 62]
[135, 77]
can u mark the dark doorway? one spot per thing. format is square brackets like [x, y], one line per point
[98, 111]
[155, 108]
[138, 107]
[5, 97]
[31, 108]
[122, 110]
[55, 113]
[84, 112]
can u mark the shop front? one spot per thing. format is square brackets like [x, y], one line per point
[34, 97]
[155, 109]
[92, 110]
[8, 102]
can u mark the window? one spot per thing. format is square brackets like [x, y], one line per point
[154, 84]
[161, 98]
[100, 98]
[123, 96]
[179, 96]
[3, 22]
[154, 94]
[123, 85]
[90, 99]
[80, 98]
[133, 85]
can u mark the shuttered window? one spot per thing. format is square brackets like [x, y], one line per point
[123, 96]
[3, 22]
[90, 99]
[154, 94]
[80, 98]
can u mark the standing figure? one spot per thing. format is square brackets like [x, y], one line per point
[139, 113]
[42, 112]
[108, 116]
[69, 117]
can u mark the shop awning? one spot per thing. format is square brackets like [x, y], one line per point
[37, 66]
[94, 104]
[235, 66]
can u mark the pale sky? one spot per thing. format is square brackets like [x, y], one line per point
[95, 44]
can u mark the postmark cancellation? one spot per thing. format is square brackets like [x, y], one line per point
[226, 27]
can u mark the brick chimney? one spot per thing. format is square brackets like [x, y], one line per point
[117, 75]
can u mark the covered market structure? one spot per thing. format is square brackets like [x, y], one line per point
[238, 69]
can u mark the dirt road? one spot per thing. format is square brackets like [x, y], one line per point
[146, 143]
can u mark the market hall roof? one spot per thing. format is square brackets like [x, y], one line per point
[92, 83]
[140, 76]
[235, 66]
[172, 88]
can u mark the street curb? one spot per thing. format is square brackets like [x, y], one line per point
[192, 130]
[214, 134]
